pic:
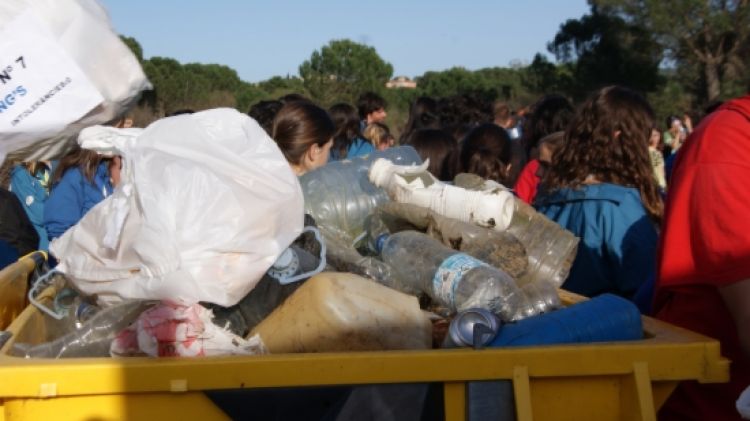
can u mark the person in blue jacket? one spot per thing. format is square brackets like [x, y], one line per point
[348, 141]
[82, 179]
[600, 186]
[30, 183]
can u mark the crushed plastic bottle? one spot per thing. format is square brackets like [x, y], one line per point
[340, 195]
[551, 249]
[92, 339]
[458, 281]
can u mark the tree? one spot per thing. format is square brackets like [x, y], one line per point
[712, 35]
[543, 77]
[604, 50]
[342, 70]
[134, 46]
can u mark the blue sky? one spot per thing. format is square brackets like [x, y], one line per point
[261, 39]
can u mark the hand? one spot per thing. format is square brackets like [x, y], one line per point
[688, 122]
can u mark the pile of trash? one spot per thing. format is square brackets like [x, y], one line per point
[372, 253]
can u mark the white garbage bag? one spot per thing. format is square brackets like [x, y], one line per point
[62, 68]
[206, 205]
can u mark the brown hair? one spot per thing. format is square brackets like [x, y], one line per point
[88, 161]
[486, 152]
[298, 126]
[440, 148]
[608, 138]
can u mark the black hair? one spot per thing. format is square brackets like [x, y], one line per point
[264, 112]
[345, 120]
[368, 103]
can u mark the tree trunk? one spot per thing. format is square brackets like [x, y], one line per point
[713, 84]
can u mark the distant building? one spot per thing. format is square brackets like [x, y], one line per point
[401, 82]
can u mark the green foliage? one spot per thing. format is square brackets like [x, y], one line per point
[710, 38]
[343, 69]
[606, 50]
[134, 46]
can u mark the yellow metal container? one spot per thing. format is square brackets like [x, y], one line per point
[604, 381]
[13, 286]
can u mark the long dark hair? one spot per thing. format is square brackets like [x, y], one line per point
[299, 125]
[608, 139]
[486, 152]
[423, 114]
[440, 148]
[347, 123]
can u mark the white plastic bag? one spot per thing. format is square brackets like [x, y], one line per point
[207, 204]
[62, 68]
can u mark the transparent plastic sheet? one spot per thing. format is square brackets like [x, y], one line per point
[92, 339]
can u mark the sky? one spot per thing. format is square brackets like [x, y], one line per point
[262, 39]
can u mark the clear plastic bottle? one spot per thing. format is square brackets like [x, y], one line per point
[551, 249]
[453, 279]
[340, 195]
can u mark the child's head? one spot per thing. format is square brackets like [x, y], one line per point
[548, 146]
[551, 113]
[371, 107]
[607, 142]
[440, 148]
[303, 131]
[379, 135]
[423, 114]
[347, 125]
[654, 141]
[264, 112]
[486, 152]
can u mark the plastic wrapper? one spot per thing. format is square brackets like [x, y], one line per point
[171, 329]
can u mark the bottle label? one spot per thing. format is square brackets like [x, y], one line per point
[449, 275]
[380, 242]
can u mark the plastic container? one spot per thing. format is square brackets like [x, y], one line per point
[551, 249]
[606, 318]
[456, 280]
[344, 312]
[340, 195]
[604, 381]
[415, 185]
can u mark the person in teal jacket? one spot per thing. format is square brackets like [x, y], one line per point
[81, 180]
[30, 183]
[600, 187]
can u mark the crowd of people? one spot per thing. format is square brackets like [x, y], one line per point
[660, 211]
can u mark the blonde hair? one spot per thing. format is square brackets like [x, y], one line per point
[378, 134]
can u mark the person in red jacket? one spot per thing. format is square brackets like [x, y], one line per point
[703, 280]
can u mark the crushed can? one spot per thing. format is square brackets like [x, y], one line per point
[474, 327]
